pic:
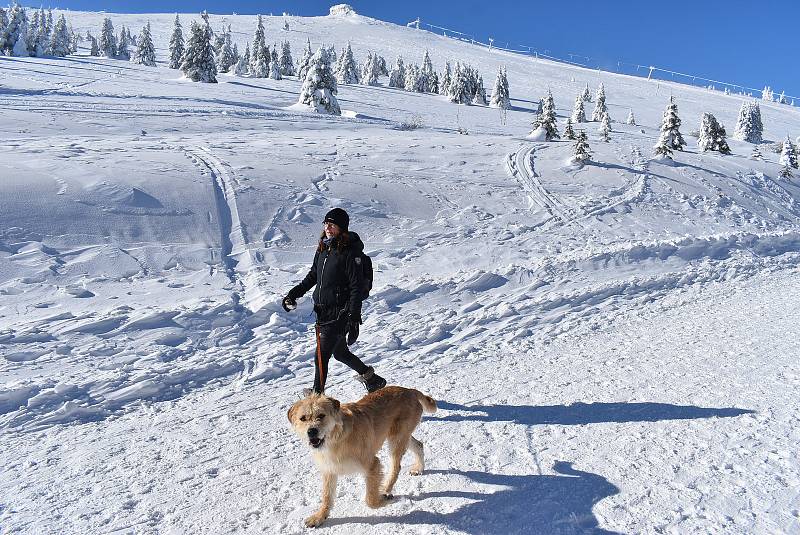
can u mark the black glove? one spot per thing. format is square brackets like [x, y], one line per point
[289, 303]
[352, 328]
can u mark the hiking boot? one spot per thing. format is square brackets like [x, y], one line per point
[371, 380]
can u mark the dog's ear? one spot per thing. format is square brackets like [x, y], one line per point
[336, 404]
[290, 414]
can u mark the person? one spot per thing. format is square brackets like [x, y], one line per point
[336, 272]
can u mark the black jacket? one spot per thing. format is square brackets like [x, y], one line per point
[338, 278]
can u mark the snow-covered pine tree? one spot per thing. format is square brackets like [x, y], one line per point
[756, 154]
[712, 135]
[433, 82]
[332, 55]
[176, 45]
[605, 128]
[459, 86]
[480, 93]
[788, 154]
[582, 152]
[766, 93]
[131, 38]
[500, 94]
[108, 42]
[198, 59]
[243, 65]
[123, 50]
[347, 72]
[631, 120]
[236, 55]
[547, 119]
[42, 43]
[539, 107]
[569, 133]
[600, 104]
[259, 61]
[145, 51]
[381, 62]
[586, 96]
[218, 43]
[3, 24]
[274, 64]
[15, 26]
[426, 73]
[748, 126]
[785, 172]
[578, 114]
[74, 39]
[782, 98]
[670, 127]
[371, 70]
[287, 63]
[397, 77]
[302, 68]
[319, 87]
[447, 76]
[411, 81]
[226, 58]
[94, 49]
[60, 44]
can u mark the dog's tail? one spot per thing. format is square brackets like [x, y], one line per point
[427, 402]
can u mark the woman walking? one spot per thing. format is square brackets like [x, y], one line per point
[337, 274]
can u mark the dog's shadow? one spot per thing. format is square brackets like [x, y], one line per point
[524, 504]
[582, 413]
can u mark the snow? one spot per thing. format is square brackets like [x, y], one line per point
[613, 346]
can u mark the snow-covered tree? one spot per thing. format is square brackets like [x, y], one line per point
[785, 172]
[398, 75]
[578, 114]
[480, 93]
[243, 65]
[582, 152]
[145, 51]
[259, 53]
[670, 129]
[3, 24]
[412, 78]
[426, 73]
[766, 94]
[788, 154]
[74, 39]
[287, 63]
[600, 108]
[605, 128]
[14, 35]
[631, 120]
[226, 58]
[198, 59]
[500, 95]
[123, 50]
[60, 43]
[108, 42]
[274, 64]
[586, 96]
[447, 78]
[712, 135]
[547, 119]
[41, 42]
[782, 98]
[459, 86]
[748, 126]
[371, 70]
[176, 47]
[347, 71]
[94, 49]
[319, 87]
[433, 82]
[756, 154]
[305, 61]
[569, 133]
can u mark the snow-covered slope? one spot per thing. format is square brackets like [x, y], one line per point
[613, 347]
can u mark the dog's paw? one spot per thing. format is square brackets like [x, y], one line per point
[378, 502]
[415, 471]
[388, 497]
[315, 520]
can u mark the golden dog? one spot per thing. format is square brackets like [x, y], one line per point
[346, 438]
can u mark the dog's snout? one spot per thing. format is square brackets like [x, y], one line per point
[313, 432]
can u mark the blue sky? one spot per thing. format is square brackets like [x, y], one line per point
[750, 43]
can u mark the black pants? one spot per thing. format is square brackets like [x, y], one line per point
[331, 341]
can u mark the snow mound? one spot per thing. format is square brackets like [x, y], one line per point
[342, 10]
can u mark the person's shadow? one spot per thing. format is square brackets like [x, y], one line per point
[525, 504]
[582, 413]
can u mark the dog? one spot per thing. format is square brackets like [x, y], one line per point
[345, 439]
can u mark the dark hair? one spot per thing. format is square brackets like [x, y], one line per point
[342, 241]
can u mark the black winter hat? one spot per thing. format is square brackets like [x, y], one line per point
[339, 217]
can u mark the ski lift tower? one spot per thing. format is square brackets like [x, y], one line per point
[413, 23]
[491, 42]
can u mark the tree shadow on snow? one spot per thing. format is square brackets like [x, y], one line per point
[584, 413]
[529, 504]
